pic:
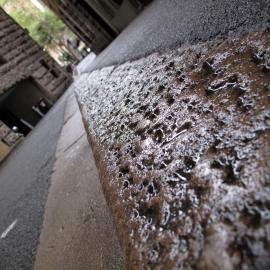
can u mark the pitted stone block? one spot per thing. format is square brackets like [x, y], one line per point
[182, 140]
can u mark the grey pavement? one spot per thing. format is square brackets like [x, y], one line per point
[24, 181]
[78, 231]
[170, 23]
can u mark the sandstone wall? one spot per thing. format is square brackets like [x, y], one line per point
[76, 17]
[181, 140]
[21, 58]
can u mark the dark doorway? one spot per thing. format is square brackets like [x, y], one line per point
[20, 106]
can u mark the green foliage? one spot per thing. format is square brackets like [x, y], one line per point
[47, 28]
[66, 57]
[3, 2]
[44, 27]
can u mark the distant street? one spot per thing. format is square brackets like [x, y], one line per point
[24, 182]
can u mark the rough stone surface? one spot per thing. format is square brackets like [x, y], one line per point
[182, 140]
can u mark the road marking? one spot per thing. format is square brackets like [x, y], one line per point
[9, 228]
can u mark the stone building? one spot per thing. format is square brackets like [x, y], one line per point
[31, 81]
[82, 22]
[96, 23]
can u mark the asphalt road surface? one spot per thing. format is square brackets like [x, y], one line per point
[169, 23]
[24, 183]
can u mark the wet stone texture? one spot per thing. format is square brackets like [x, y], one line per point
[182, 142]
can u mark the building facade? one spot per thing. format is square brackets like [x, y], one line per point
[31, 81]
[82, 22]
[98, 22]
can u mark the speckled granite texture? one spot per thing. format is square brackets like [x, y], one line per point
[182, 140]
